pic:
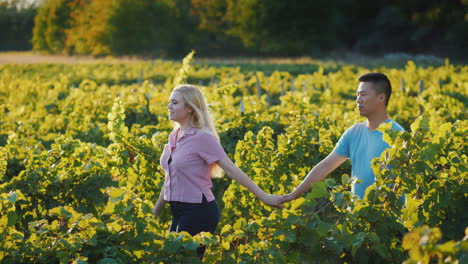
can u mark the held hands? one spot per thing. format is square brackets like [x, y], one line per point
[288, 197]
[272, 200]
[278, 200]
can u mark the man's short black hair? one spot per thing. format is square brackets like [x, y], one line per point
[381, 81]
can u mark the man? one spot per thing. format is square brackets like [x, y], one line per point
[361, 142]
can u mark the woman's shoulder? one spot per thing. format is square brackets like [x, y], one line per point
[205, 137]
[205, 133]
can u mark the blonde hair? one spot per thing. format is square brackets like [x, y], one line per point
[200, 117]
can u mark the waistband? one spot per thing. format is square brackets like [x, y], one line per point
[204, 201]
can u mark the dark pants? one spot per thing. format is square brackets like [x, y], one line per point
[194, 218]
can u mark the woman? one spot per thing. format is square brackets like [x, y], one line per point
[192, 156]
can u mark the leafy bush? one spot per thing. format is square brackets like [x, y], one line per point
[79, 166]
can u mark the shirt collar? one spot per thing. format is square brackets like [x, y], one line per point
[172, 137]
[191, 131]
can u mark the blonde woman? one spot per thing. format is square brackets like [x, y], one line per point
[192, 156]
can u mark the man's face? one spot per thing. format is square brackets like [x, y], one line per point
[368, 101]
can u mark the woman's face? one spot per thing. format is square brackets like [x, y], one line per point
[178, 111]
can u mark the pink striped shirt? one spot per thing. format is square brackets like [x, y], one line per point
[188, 173]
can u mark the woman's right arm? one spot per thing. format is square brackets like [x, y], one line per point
[159, 204]
[233, 172]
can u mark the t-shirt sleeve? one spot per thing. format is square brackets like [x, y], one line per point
[342, 147]
[397, 126]
[210, 149]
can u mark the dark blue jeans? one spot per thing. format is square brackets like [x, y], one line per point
[194, 218]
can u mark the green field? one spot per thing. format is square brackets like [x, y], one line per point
[79, 163]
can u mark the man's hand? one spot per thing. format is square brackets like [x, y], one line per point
[287, 197]
[273, 200]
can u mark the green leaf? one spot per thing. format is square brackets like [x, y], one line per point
[338, 200]
[66, 213]
[445, 127]
[290, 235]
[116, 192]
[111, 116]
[60, 211]
[384, 128]
[442, 161]
[182, 75]
[12, 197]
[12, 218]
[330, 183]
[293, 219]
[287, 235]
[319, 190]
[448, 247]
[382, 250]
[359, 239]
[323, 228]
[172, 246]
[420, 124]
[225, 229]
[297, 203]
[114, 226]
[226, 244]
[191, 245]
[107, 261]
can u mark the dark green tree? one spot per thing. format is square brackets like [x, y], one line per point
[16, 21]
[50, 23]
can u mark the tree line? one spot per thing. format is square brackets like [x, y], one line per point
[236, 27]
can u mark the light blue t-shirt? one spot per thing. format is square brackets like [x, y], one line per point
[361, 145]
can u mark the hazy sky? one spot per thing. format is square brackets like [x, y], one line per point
[22, 3]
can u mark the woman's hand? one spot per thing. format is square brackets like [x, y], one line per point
[159, 204]
[156, 211]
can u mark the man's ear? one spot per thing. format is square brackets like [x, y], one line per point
[381, 97]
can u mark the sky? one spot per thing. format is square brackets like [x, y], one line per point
[22, 3]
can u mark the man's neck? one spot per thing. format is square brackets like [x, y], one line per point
[373, 122]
